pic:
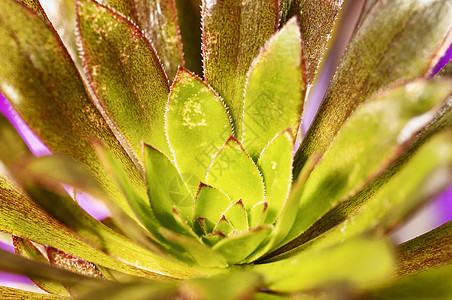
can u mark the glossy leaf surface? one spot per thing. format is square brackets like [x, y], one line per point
[270, 106]
[380, 53]
[233, 33]
[275, 164]
[233, 172]
[385, 124]
[46, 90]
[158, 20]
[134, 89]
[197, 126]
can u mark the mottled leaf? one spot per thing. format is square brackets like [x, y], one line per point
[270, 106]
[35, 6]
[233, 31]
[44, 87]
[27, 249]
[15, 294]
[197, 126]
[134, 89]
[358, 262]
[370, 140]
[430, 250]
[189, 19]
[380, 53]
[275, 163]
[233, 172]
[158, 20]
[317, 20]
[235, 248]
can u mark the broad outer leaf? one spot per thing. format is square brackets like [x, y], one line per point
[15, 294]
[158, 20]
[359, 262]
[317, 18]
[275, 164]
[233, 32]
[234, 172]
[274, 90]
[44, 87]
[127, 77]
[197, 126]
[23, 218]
[380, 53]
[431, 250]
[385, 124]
[189, 19]
[422, 177]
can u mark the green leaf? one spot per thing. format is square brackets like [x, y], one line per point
[234, 172]
[269, 106]
[237, 247]
[189, 19]
[15, 294]
[36, 69]
[317, 18]
[224, 227]
[35, 6]
[430, 250]
[231, 43]
[166, 190]
[134, 89]
[362, 263]
[210, 204]
[386, 124]
[197, 126]
[12, 147]
[258, 214]
[237, 216]
[428, 285]
[423, 176]
[275, 163]
[380, 53]
[158, 21]
[27, 249]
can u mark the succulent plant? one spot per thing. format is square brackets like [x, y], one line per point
[189, 138]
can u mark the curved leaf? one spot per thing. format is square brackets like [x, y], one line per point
[234, 173]
[233, 31]
[197, 126]
[386, 124]
[158, 20]
[46, 90]
[380, 53]
[134, 89]
[270, 106]
[14, 294]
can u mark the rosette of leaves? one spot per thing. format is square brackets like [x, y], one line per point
[208, 198]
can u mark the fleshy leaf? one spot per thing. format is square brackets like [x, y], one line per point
[317, 18]
[234, 172]
[258, 214]
[210, 204]
[166, 190]
[360, 262]
[12, 147]
[275, 163]
[373, 55]
[158, 20]
[386, 124]
[197, 125]
[16, 294]
[231, 43]
[235, 248]
[27, 249]
[270, 106]
[189, 18]
[35, 6]
[431, 250]
[224, 226]
[37, 70]
[237, 216]
[423, 176]
[134, 89]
